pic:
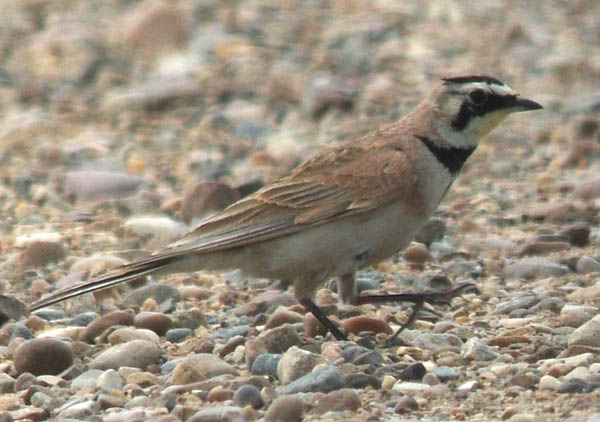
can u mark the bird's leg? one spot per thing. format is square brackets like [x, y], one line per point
[318, 313]
[418, 299]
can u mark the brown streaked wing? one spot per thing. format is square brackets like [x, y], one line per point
[347, 181]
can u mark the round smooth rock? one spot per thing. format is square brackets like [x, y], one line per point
[155, 321]
[104, 322]
[246, 395]
[285, 409]
[43, 356]
[136, 354]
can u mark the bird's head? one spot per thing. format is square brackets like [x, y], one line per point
[469, 107]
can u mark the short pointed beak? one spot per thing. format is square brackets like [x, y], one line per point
[524, 104]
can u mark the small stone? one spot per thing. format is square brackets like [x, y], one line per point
[388, 382]
[469, 386]
[534, 268]
[97, 327]
[535, 246]
[587, 264]
[406, 404]
[588, 334]
[323, 379]
[433, 231]
[283, 316]
[125, 334]
[219, 413]
[100, 185]
[165, 295]
[33, 356]
[110, 380]
[39, 254]
[157, 230]
[87, 380]
[155, 321]
[266, 364]
[11, 309]
[578, 234]
[576, 385]
[296, 363]
[206, 198]
[363, 323]
[285, 409]
[414, 372]
[82, 410]
[523, 417]
[279, 339]
[476, 349]
[199, 367]
[445, 373]
[219, 394]
[416, 253]
[25, 380]
[338, 401]
[409, 388]
[525, 380]
[576, 315]
[135, 354]
[360, 355]
[177, 335]
[248, 395]
[526, 301]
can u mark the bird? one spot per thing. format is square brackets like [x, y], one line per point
[346, 208]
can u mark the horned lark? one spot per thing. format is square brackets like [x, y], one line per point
[346, 208]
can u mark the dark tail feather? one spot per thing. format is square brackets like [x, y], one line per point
[120, 275]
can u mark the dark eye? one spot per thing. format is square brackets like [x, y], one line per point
[478, 96]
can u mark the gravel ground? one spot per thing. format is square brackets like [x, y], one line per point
[123, 123]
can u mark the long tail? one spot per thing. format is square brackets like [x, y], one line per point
[119, 275]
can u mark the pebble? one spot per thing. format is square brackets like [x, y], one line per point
[12, 309]
[206, 198]
[155, 321]
[156, 230]
[338, 401]
[477, 350]
[266, 364]
[322, 379]
[534, 268]
[587, 264]
[125, 334]
[283, 316]
[416, 253]
[79, 410]
[548, 382]
[280, 339]
[296, 363]
[409, 388]
[361, 323]
[106, 321]
[285, 409]
[135, 353]
[177, 335]
[198, 367]
[588, 334]
[110, 381]
[165, 295]
[445, 373]
[526, 301]
[218, 414]
[387, 382]
[39, 254]
[578, 234]
[406, 404]
[248, 395]
[100, 185]
[576, 315]
[32, 356]
[87, 380]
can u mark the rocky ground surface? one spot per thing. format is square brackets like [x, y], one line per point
[122, 123]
